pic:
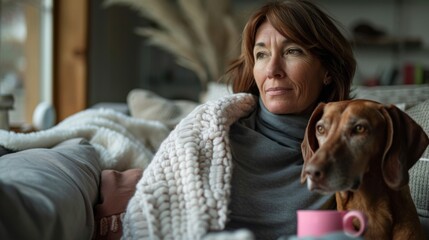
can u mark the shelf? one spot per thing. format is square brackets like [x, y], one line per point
[389, 43]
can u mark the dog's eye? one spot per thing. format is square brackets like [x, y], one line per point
[359, 129]
[320, 129]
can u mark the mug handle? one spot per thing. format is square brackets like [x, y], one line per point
[348, 227]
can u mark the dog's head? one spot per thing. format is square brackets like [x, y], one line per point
[344, 140]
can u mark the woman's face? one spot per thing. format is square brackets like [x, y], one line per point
[289, 78]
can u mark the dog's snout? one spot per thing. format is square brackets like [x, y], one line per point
[317, 166]
[315, 173]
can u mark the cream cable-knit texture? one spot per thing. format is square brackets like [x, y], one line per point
[184, 191]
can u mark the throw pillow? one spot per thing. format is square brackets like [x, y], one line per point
[215, 91]
[148, 105]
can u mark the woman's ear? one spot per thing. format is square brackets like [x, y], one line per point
[327, 78]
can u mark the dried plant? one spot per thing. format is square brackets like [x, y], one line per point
[201, 34]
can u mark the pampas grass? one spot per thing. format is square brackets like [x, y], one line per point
[201, 34]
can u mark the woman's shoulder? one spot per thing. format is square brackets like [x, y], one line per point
[235, 99]
[224, 110]
[237, 102]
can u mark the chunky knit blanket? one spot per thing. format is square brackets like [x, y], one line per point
[184, 191]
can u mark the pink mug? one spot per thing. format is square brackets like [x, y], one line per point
[317, 223]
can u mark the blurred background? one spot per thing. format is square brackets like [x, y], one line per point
[73, 54]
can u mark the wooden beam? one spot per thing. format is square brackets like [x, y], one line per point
[70, 57]
[32, 57]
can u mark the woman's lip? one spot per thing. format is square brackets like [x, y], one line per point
[277, 90]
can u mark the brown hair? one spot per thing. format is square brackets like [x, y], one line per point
[304, 23]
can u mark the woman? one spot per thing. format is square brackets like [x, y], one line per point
[235, 163]
[293, 57]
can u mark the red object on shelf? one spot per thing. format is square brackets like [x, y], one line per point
[408, 73]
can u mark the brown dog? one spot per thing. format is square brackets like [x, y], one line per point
[362, 151]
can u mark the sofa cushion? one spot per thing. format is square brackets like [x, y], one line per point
[419, 173]
[404, 96]
[49, 193]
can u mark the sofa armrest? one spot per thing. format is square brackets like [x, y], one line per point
[49, 193]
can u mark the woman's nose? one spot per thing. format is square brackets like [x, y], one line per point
[275, 68]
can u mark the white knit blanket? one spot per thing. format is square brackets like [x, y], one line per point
[122, 142]
[184, 191]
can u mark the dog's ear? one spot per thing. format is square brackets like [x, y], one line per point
[405, 143]
[309, 144]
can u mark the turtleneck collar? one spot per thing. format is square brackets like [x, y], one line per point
[287, 130]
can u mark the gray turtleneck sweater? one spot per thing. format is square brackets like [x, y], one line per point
[266, 191]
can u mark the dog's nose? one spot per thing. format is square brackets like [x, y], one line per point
[314, 173]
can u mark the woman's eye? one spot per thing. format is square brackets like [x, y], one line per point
[293, 51]
[260, 55]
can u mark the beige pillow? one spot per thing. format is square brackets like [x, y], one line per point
[215, 91]
[146, 104]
